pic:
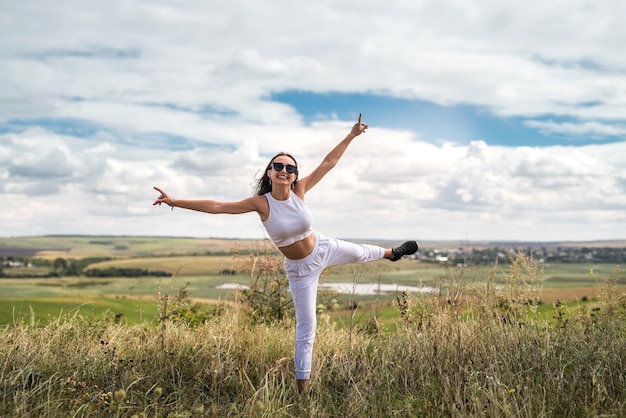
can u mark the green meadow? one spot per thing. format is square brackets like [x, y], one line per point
[201, 265]
[511, 340]
[48, 309]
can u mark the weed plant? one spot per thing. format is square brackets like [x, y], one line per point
[471, 350]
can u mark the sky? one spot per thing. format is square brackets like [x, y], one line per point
[488, 120]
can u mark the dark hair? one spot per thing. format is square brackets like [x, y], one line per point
[264, 184]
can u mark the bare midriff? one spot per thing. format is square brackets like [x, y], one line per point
[299, 249]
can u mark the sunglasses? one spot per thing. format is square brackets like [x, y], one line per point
[289, 168]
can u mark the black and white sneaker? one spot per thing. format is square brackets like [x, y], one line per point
[408, 248]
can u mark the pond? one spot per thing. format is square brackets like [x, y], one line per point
[354, 288]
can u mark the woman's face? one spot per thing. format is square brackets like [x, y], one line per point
[282, 170]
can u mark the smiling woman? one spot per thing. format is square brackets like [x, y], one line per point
[279, 202]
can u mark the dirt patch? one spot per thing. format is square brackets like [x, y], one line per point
[572, 294]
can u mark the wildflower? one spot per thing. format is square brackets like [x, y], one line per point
[119, 395]
[511, 391]
[158, 392]
[260, 406]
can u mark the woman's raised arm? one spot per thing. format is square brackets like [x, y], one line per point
[330, 161]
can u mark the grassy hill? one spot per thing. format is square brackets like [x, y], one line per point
[481, 345]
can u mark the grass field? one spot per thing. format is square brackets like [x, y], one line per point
[48, 296]
[434, 364]
[134, 297]
[202, 273]
[47, 309]
[479, 346]
[111, 246]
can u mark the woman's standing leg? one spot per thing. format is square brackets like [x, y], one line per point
[303, 276]
[304, 294]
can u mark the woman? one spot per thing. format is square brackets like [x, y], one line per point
[279, 201]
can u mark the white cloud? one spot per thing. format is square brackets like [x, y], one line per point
[176, 95]
[204, 54]
[587, 129]
[388, 184]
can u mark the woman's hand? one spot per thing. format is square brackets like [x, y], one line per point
[358, 128]
[164, 198]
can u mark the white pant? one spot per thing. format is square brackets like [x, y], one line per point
[303, 276]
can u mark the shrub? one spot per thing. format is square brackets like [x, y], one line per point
[267, 299]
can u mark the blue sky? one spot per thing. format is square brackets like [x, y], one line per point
[496, 121]
[434, 122]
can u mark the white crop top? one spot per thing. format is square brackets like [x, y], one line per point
[289, 220]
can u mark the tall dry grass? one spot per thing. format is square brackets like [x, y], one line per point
[477, 349]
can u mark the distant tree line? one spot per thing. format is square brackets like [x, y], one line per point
[75, 267]
[125, 272]
[542, 254]
[62, 267]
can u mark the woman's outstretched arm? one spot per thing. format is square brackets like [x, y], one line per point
[331, 159]
[251, 204]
